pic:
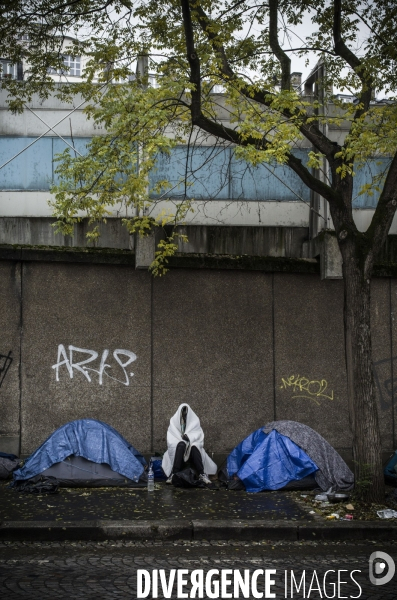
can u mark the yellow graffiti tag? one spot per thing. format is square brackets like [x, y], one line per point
[306, 388]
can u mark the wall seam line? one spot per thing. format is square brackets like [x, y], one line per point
[20, 355]
[274, 352]
[151, 367]
[391, 362]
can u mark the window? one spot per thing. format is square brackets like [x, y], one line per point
[74, 64]
[8, 70]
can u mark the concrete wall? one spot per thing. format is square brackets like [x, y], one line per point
[205, 239]
[10, 342]
[242, 347]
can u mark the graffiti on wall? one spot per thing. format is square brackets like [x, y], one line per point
[72, 363]
[318, 389]
[5, 362]
[311, 389]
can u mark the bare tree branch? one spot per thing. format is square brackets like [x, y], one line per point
[372, 30]
[193, 59]
[282, 57]
[301, 48]
[293, 162]
[352, 60]
[229, 134]
[309, 130]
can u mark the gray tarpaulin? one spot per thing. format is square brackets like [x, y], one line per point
[7, 465]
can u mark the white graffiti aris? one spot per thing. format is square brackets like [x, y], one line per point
[69, 362]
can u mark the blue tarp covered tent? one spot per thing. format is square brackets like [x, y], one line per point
[268, 461]
[90, 439]
[391, 470]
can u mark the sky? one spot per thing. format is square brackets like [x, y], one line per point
[296, 36]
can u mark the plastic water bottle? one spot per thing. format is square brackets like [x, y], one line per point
[150, 479]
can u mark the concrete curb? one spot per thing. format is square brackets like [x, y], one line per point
[352, 531]
[252, 530]
[95, 530]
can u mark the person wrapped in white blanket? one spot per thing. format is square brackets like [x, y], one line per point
[185, 440]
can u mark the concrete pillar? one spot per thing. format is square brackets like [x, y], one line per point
[145, 248]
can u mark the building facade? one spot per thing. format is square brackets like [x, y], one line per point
[247, 326]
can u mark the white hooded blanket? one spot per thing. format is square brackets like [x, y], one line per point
[195, 434]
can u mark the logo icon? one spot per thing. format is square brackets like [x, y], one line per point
[381, 563]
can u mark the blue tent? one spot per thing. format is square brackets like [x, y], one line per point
[268, 461]
[91, 440]
[391, 470]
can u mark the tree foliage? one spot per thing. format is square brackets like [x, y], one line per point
[243, 46]
[247, 48]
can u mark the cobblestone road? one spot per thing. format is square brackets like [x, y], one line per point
[74, 570]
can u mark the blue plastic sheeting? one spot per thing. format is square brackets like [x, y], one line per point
[373, 168]
[158, 469]
[214, 172]
[391, 467]
[268, 462]
[31, 170]
[268, 182]
[244, 450]
[93, 440]
[9, 456]
[34, 168]
[206, 169]
[59, 146]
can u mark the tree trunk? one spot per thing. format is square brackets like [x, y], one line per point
[363, 413]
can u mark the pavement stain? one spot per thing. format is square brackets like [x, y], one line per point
[166, 502]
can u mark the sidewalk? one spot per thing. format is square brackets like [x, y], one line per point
[168, 512]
